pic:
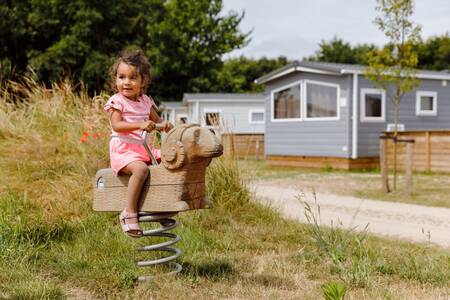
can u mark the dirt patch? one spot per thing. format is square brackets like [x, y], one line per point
[396, 220]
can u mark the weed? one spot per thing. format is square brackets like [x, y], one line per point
[327, 168]
[333, 291]
[225, 185]
[346, 249]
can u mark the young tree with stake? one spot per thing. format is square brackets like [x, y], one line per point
[393, 67]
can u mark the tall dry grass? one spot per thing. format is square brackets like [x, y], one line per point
[52, 140]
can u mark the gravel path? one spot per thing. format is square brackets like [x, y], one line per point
[396, 220]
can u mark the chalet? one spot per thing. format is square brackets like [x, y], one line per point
[238, 118]
[327, 114]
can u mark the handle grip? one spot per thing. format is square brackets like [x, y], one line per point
[144, 135]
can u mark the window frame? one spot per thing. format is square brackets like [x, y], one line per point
[272, 103]
[182, 115]
[305, 101]
[212, 111]
[419, 111]
[363, 117]
[250, 114]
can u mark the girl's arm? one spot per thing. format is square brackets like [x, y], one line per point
[167, 126]
[154, 115]
[118, 125]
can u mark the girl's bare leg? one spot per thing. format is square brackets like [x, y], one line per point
[139, 173]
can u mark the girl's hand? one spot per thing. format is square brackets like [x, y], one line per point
[148, 126]
[167, 126]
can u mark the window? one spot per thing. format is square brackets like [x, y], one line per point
[212, 118]
[182, 119]
[166, 116]
[426, 103]
[256, 116]
[321, 100]
[373, 105]
[286, 103]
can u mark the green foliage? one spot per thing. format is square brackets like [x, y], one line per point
[238, 74]
[188, 44]
[185, 40]
[393, 67]
[333, 291]
[347, 251]
[434, 53]
[73, 39]
[338, 51]
[225, 185]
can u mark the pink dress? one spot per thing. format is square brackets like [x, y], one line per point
[126, 147]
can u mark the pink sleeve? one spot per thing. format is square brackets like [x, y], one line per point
[113, 102]
[151, 102]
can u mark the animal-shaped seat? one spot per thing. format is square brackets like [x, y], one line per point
[176, 184]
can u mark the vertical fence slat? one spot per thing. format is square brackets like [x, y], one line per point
[409, 168]
[384, 165]
[428, 150]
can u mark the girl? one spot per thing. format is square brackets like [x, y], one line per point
[130, 112]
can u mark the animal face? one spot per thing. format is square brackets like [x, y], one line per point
[189, 143]
[201, 142]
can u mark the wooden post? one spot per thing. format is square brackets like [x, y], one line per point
[428, 150]
[228, 143]
[394, 180]
[409, 167]
[257, 149]
[384, 164]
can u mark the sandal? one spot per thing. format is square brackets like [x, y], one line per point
[131, 229]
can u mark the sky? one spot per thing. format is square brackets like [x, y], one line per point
[294, 28]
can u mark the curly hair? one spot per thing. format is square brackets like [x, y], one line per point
[134, 58]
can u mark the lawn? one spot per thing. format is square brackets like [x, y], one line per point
[53, 246]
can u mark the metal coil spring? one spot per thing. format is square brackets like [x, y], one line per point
[167, 223]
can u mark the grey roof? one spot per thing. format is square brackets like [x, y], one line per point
[172, 104]
[221, 96]
[337, 69]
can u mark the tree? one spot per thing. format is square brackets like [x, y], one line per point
[188, 45]
[238, 74]
[338, 51]
[434, 53]
[393, 67]
[185, 40]
[77, 39]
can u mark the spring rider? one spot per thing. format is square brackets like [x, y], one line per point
[175, 185]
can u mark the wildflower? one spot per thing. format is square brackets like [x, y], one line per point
[84, 136]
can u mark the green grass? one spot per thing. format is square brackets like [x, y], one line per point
[52, 245]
